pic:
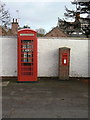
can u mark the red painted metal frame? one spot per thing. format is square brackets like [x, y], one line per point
[27, 73]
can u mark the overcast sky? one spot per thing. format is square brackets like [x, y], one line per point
[41, 14]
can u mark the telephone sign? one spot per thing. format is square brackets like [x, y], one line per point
[27, 55]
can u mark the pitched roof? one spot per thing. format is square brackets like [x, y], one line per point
[55, 32]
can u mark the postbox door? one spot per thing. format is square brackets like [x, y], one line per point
[64, 58]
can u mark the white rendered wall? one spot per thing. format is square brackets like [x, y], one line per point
[48, 56]
[0, 78]
[1, 56]
[9, 56]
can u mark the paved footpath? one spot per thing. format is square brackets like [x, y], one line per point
[47, 98]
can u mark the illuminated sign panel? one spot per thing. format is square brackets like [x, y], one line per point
[26, 34]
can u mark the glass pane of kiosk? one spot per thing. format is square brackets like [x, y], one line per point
[27, 57]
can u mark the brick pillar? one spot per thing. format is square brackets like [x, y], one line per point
[0, 31]
[14, 27]
[64, 63]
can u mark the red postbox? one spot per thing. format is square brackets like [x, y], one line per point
[27, 55]
[65, 60]
[64, 63]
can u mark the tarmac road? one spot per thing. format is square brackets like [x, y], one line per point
[47, 98]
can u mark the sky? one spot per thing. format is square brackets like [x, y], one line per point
[41, 14]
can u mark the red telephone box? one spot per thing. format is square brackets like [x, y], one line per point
[27, 55]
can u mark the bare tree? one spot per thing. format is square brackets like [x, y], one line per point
[4, 15]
